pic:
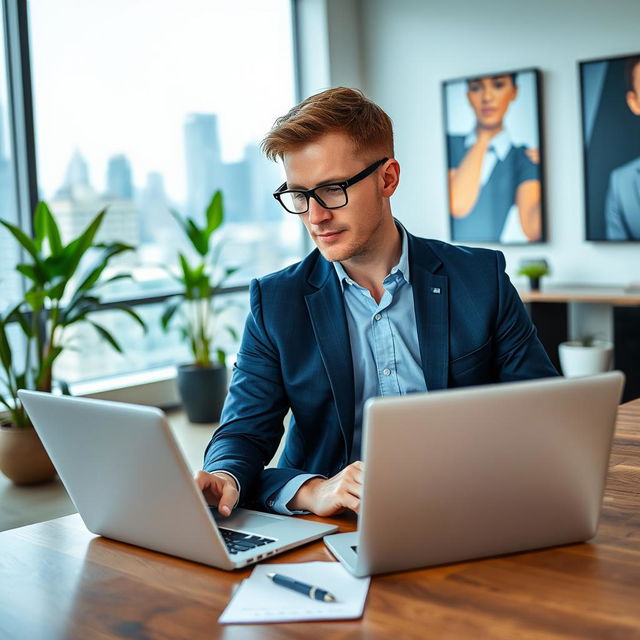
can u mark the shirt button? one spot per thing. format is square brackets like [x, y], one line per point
[377, 316]
[387, 372]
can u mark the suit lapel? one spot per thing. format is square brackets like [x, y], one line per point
[431, 302]
[326, 309]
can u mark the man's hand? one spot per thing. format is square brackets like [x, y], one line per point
[219, 489]
[328, 497]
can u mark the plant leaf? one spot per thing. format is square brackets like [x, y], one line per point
[203, 286]
[47, 364]
[5, 348]
[215, 212]
[78, 247]
[131, 312]
[168, 313]
[228, 272]
[179, 219]
[25, 241]
[46, 227]
[31, 271]
[21, 318]
[199, 238]
[21, 381]
[79, 310]
[5, 403]
[105, 335]
[222, 356]
[232, 332]
[35, 299]
[187, 276]
[57, 287]
[118, 276]
[64, 387]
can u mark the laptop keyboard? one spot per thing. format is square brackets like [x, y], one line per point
[238, 541]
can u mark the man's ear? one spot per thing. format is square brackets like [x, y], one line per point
[390, 177]
[633, 103]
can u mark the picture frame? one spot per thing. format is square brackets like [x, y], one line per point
[610, 108]
[495, 157]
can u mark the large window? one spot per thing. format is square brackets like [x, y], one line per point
[150, 105]
[10, 284]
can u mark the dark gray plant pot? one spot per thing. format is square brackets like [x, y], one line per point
[203, 390]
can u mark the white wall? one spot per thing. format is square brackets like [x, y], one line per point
[329, 44]
[409, 47]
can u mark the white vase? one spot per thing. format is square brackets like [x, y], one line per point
[578, 360]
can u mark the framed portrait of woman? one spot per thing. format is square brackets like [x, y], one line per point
[610, 100]
[495, 157]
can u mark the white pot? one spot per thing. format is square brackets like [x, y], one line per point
[578, 360]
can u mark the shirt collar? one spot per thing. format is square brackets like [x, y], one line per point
[501, 144]
[402, 267]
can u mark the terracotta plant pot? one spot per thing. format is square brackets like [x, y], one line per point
[22, 456]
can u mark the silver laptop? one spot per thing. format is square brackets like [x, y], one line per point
[460, 474]
[129, 480]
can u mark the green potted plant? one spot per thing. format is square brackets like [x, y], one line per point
[534, 270]
[63, 291]
[203, 382]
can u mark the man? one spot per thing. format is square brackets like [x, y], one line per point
[372, 311]
[622, 207]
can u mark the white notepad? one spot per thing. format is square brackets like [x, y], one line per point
[258, 599]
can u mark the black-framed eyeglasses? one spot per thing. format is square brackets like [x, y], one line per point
[332, 195]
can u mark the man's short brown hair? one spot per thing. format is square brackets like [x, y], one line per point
[334, 110]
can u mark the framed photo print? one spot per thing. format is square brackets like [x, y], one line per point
[610, 100]
[495, 160]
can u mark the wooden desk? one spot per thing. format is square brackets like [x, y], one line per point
[59, 581]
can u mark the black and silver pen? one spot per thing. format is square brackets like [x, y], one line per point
[315, 593]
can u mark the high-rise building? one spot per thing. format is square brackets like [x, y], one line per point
[237, 192]
[159, 232]
[76, 183]
[76, 203]
[119, 182]
[204, 161]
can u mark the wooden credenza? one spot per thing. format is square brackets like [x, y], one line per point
[549, 311]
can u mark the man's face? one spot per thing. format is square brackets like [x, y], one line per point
[490, 98]
[633, 97]
[352, 230]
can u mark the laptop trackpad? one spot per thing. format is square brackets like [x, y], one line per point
[250, 521]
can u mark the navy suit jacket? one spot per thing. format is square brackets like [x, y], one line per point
[295, 354]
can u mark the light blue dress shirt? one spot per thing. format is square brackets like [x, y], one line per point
[384, 350]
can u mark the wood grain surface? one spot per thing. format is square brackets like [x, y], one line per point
[57, 581]
[603, 295]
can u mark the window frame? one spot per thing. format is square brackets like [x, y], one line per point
[22, 129]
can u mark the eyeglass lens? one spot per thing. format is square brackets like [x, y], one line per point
[331, 197]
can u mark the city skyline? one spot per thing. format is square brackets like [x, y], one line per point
[133, 93]
[247, 184]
